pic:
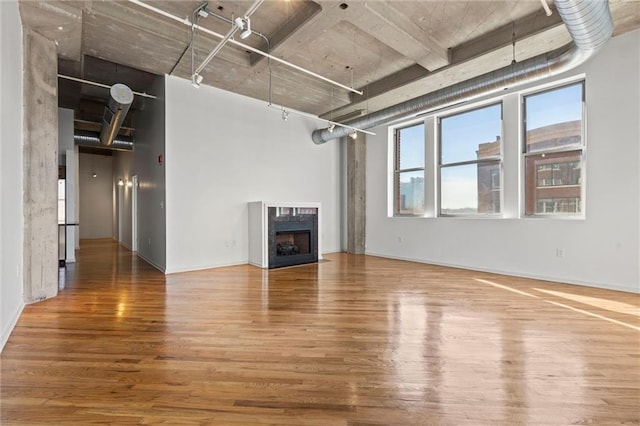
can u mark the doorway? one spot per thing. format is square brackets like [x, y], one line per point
[134, 214]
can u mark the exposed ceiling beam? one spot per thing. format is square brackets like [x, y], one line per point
[393, 81]
[383, 21]
[524, 28]
[301, 17]
[504, 36]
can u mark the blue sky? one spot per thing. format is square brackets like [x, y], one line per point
[462, 133]
[412, 147]
[554, 107]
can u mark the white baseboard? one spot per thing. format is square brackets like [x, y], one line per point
[7, 329]
[151, 262]
[542, 277]
[203, 267]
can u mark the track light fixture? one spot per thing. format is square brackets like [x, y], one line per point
[285, 115]
[353, 135]
[202, 10]
[196, 79]
[244, 24]
[331, 127]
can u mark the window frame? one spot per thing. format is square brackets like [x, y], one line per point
[397, 171]
[499, 159]
[581, 148]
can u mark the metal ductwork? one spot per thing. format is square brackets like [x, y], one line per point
[114, 112]
[92, 139]
[590, 25]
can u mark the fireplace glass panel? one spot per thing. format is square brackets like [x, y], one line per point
[293, 243]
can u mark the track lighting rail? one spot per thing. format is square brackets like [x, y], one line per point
[106, 86]
[186, 21]
[286, 111]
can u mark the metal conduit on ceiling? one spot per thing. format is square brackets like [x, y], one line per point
[590, 25]
[92, 139]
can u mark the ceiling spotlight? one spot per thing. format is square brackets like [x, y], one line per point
[353, 135]
[120, 182]
[247, 32]
[196, 79]
[331, 127]
[285, 115]
[202, 11]
[94, 175]
[244, 24]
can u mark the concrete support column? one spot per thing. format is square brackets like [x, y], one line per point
[356, 193]
[40, 168]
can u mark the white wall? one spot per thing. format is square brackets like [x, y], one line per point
[602, 250]
[65, 134]
[225, 150]
[68, 157]
[11, 197]
[123, 169]
[96, 199]
[149, 145]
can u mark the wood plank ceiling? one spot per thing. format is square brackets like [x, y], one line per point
[392, 50]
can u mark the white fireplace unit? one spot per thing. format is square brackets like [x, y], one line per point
[284, 234]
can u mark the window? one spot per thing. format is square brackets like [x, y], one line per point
[409, 171]
[553, 151]
[471, 162]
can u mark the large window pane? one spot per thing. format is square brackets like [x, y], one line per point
[471, 188]
[463, 135]
[553, 183]
[554, 119]
[410, 147]
[409, 170]
[470, 162]
[459, 189]
[553, 149]
[410, 191]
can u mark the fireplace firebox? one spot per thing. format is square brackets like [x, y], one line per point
[283, 235]
[292, 236]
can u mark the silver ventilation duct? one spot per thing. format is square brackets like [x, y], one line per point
[92, 139]
[114, 112]
[590, 25]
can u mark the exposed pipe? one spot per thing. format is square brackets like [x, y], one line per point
[590, 25]
[114, 113]
[92, 139]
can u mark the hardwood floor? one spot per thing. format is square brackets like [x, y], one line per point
[352, 340]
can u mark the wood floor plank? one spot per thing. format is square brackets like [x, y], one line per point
[353, 340]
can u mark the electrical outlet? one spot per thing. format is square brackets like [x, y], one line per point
[559, 252]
